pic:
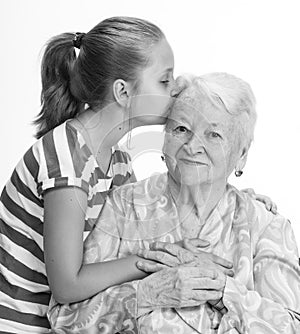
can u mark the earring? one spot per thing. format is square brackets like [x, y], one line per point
[238, 173]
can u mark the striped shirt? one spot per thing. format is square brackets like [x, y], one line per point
[60, 158]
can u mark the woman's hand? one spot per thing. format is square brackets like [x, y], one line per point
[269, 204]
[172, 255]
[183, 286]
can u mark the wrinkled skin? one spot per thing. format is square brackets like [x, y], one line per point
[182, 286]
[184, 277]
[164, 254]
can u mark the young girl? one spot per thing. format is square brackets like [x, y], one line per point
[120, 78]
[58, 188]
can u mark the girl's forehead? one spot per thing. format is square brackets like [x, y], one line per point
[161, 56]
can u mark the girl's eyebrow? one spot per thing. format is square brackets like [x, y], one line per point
[168, 70]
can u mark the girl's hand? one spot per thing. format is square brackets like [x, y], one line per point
[172, 255]
[183, 286]
[269, 204]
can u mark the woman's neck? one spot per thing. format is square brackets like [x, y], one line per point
[200, 198]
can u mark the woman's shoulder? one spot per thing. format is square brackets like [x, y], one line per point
[258, 216]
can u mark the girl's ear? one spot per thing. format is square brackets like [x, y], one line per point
[121, 92]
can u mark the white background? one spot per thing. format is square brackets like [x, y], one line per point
[257, 40]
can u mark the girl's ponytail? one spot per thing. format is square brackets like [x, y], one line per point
[58, 103]
[116, 48]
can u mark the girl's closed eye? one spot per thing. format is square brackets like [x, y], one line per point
[165, 82]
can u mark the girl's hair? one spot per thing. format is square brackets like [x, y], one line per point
[116, 48]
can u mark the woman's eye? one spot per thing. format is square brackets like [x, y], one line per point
[214, 134]
[165, 82]
[181, 129]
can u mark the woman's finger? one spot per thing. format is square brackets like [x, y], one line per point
[206, 295]
[159, 256]
[221, 261]
[206, 283]
[193, 244]
[187, 272]
[183, 255]
[149, 266]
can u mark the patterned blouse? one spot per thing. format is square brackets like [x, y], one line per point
[262, 297]
[61, 158]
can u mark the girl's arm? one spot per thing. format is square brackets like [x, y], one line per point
[267, 201]
[70, 280]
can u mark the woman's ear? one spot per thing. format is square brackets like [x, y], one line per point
[240, 164]
[121, 92]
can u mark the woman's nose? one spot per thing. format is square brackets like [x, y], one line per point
[195, 145]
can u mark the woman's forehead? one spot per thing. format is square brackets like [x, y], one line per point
[196, 110]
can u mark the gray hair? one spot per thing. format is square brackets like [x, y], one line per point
[229, 92]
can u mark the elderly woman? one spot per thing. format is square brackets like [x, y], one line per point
[208, 135]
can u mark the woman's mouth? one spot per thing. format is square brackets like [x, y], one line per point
[193, 162]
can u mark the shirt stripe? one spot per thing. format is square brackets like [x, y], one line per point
[24, 190]
[22, 281]
[20, 213]
[21, 240]
[12, 291]
[25, 318]
[31, 164]
[51, 157]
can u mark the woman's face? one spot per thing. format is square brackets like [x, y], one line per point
[150, 105]
[199, 143]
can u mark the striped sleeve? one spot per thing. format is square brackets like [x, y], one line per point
[122, 167]
[64, 159]
[24, 290]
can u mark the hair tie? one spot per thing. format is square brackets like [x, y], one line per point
[77, 39]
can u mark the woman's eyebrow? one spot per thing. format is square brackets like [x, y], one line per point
[183, 119]
[216, 125]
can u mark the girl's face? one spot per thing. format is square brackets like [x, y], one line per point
[150, 104]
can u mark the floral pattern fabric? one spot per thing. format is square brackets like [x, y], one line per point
[262, 297]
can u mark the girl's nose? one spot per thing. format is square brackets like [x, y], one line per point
[178, 86]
